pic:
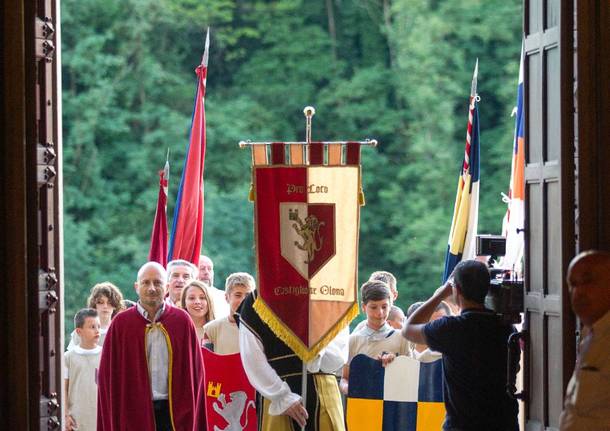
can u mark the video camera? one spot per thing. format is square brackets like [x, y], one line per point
[505, 295]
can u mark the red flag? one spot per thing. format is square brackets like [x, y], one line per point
[158, 239]
[229, 398]
[187, 227]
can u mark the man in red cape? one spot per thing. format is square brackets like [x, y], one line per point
[151, 364]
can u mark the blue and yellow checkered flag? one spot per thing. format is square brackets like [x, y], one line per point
[407, 395]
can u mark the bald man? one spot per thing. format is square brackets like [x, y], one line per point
[151, 364]
[587, 401]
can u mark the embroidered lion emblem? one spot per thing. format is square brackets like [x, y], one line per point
[233, 410]
[309, 231]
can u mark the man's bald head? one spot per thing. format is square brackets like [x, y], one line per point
[589, 281]
[150, 285]
[157, 266]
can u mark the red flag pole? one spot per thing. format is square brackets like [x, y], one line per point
[158, 238]
[187, 227]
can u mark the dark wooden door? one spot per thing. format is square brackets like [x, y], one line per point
[549, 197]
[45, 260]
[30, 214]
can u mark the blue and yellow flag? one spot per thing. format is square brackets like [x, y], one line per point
[462, 237]
[407, 395]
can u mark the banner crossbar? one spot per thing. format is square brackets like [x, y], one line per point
[309, 112]
[367, 142]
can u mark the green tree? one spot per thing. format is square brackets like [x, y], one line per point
[395, 70]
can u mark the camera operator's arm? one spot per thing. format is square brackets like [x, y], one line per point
[414, 328]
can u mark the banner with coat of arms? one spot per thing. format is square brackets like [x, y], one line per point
[307, 206]
[230, 399]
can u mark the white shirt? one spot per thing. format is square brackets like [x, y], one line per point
[359, 326]
[81, 367]
[372, 343]
[75, 338]
[157, 354]
[587, 400]
[224, 335]
[426, 355]
[80, 351]
[266, 381]
[374, 334]
[221, 306]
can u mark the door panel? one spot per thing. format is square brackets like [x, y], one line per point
[549, 239]
[43, 147]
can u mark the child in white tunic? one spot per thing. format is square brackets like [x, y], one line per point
[223, 333]
[81, 364]
[376, 339]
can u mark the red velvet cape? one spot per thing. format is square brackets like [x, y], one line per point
[124, 391]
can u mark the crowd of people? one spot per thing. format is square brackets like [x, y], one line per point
[138, 365]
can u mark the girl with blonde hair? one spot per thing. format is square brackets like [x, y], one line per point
[195, 300]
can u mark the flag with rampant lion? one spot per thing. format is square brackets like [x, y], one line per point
[229, 398]
[306, 228]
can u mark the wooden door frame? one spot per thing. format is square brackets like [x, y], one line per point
[14, 246]
[568, 216]
[538, 301]
[593, 108]
[31, 317]
[20, 406]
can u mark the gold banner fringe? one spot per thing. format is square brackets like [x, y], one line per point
[291, 340]
[251, 193]
[361, 200]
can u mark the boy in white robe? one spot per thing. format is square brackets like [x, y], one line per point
[376, 339]
[223, 332]
[81, 364]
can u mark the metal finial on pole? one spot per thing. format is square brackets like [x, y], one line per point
[309, 112]
[475, 75]
[206, 49]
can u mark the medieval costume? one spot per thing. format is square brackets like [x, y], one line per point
[81, 367]
[372, 343]
[224, 335]
[149, 361]
[276, 373]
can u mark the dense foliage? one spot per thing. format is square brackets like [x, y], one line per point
[395, 70]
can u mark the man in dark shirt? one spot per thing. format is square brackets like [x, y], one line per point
[474, 348]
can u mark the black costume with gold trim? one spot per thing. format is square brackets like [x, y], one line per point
[322, 389]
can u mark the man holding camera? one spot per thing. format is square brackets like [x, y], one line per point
[474, 348]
